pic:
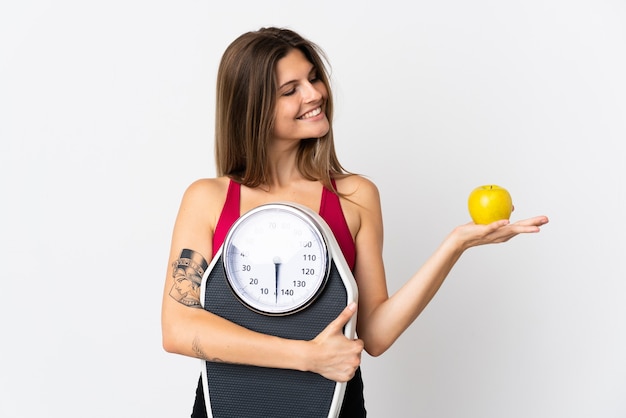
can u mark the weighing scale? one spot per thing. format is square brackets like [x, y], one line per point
[280, 272]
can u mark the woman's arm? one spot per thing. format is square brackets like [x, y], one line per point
[382, 319]
[189, 330]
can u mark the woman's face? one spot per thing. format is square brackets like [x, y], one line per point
[301, 99]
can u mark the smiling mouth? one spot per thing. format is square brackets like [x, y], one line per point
[311, 114]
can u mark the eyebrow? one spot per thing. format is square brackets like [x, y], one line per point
[313, 70]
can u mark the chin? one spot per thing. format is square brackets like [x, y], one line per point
[323, 130]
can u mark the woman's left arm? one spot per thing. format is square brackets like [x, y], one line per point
[382, 319]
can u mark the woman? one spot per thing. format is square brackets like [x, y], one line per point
[274, 142]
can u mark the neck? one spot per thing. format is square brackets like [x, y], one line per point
[283, 168]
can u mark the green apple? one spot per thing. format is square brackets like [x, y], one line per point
[489, 203]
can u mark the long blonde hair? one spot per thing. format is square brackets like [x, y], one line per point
[246, 98]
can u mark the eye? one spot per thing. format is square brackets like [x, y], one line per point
[289, 92]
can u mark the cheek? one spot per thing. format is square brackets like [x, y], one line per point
[279, 126]
[285, 116]
[321, 89]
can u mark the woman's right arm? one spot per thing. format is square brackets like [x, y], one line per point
[189, 330]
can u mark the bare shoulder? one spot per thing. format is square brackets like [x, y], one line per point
[360, 202]
[207, 188]
[359, 190]
[205, 198]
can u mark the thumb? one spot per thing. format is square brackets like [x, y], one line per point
[344, 317]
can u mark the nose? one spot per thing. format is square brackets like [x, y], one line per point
[311, 93]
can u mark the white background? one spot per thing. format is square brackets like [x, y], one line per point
[106, 115]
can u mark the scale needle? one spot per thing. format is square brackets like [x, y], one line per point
[276, 268]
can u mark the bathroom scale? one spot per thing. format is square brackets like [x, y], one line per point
[280, 271]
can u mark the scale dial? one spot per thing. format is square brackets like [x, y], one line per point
[276, 259]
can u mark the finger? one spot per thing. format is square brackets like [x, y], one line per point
[497, 224]
[535, 221]
[343, 317]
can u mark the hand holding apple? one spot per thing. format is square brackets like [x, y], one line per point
[489, 203]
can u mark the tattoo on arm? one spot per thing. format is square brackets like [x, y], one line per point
[195, 346]
[199, 352]
[187, 272]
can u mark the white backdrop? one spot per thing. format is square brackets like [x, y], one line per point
[106, 115]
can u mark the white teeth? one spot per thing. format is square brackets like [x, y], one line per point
[312, 113]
